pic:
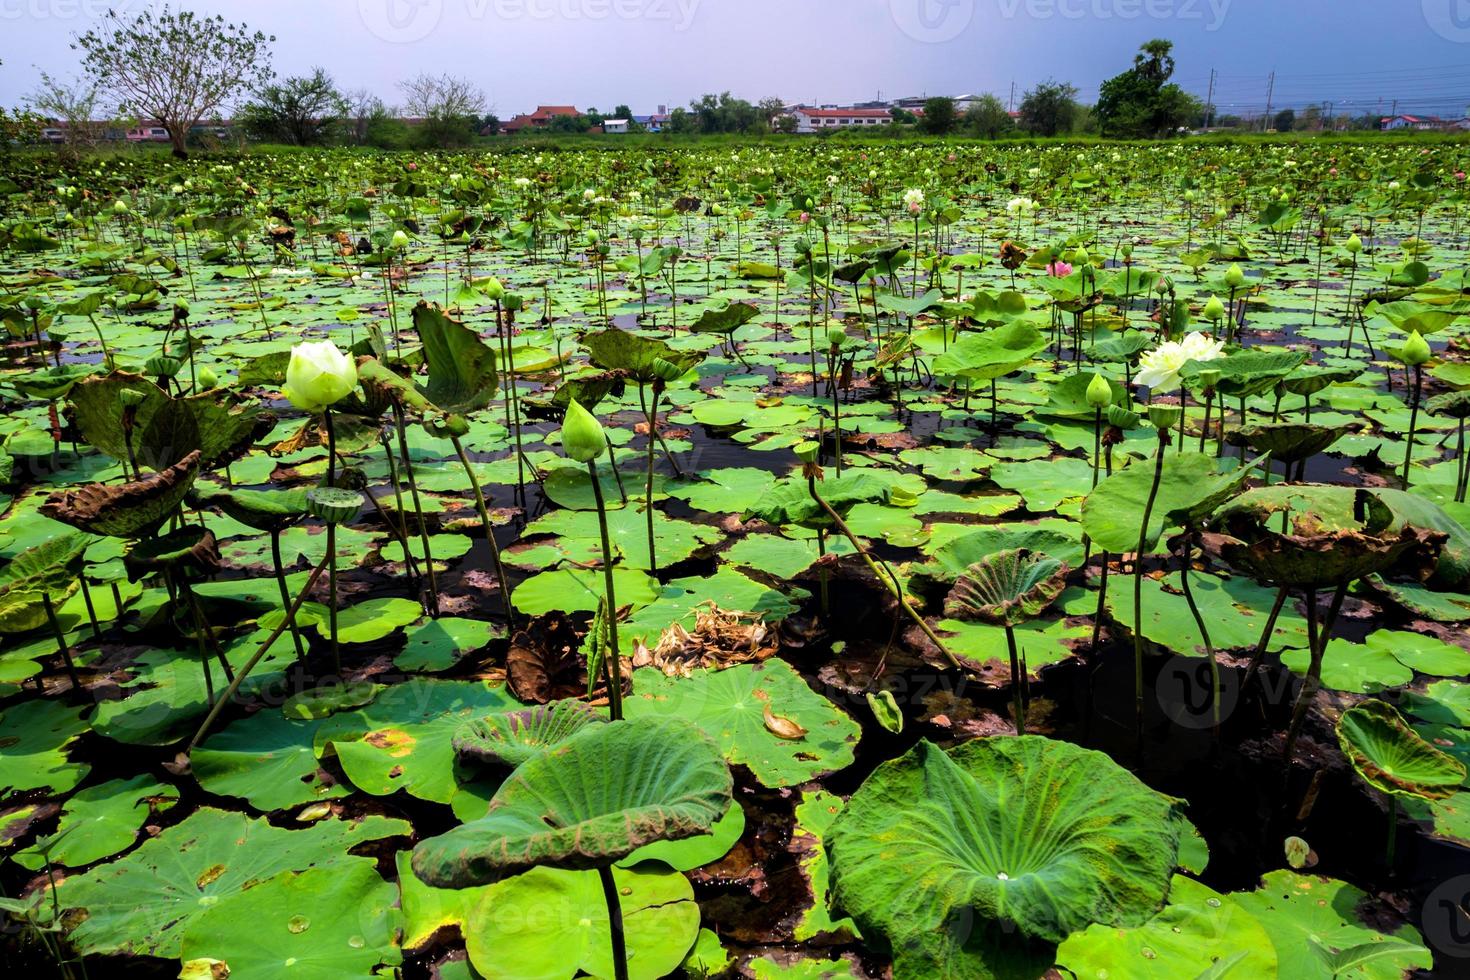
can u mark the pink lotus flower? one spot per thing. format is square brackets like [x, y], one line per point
[1460, 176]
[915, 208]
[1332, 172]
[805, 218]
[413, 166]
[1059, 269]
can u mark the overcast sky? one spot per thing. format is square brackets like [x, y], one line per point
[646, 52]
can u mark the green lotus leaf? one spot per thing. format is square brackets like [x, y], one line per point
[1007, 588]
[605, 792]
[1452, 570]
[1195, 932]
[697, 851]
[1022, 833]
[950, 560]
[34, 738]
[51, 569]
[1068, 398]
[1189, 489]
[726, 321]
[144, 904]
[1289, 442]
[991, 353]
[52, 383]
[264, 510]
[125, 510]
[551, 924]
[1248, 372]
[164, 429]
[619, 350]
[462, 375]
[790, 501]
[100, 821]
[1300, 911]
[511, 738]
[730, 707]
[318, 924]
[1392, 757]
[266, 759]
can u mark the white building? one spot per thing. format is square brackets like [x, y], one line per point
[827, 120]
[615, 125]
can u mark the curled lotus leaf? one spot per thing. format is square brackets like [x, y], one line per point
[1453, 405]
[598, 797]
[1022, 835]
[1392, 757]
[513, 737]
[51, 570]
[190, 552]
[1289, 442]
[462, 375]
[1007, 588]
[157, 432]
[616, 350]
[1335, 535]
[125, 510]
[264, 510]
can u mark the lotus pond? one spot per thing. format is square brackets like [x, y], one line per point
[818, 561]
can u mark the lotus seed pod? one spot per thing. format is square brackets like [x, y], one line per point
[333, 505]
[1163, 417]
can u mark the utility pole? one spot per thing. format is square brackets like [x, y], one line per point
[1270, 90]
[1011, 105]
[1210, 101]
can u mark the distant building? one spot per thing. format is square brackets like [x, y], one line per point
[615, 126]
[655, 123]
[1410, 122]
[810, 120]
[540, 119]
[152, 132]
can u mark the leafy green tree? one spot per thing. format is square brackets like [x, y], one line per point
[306, 110]
[1049, 108]
[174, 66]
[988, 118]
[1139, 103]
[902, 116]
[939, 117]
[1284, 121]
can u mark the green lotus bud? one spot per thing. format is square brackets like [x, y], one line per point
[582, 437]
[1214, 309]
[1127, 250]
[666, 371]
[492, 288]
[119, 207]
[836, 337]
[1354, 244]
[1099, 392]
[207, 378]
[319, 375]
[399, 241]
[514, 302]
[1189, 195]
[803, 246]
[1080, 256]
[1416, 351]
[333, 505]
[1164, 417]
[177, 188]
[1235, 276]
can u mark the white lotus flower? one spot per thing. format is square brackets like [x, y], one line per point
[913, 198]
[318, 375]
[1158, 370]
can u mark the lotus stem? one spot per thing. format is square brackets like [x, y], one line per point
[285, 592]
[1265, 640]
[1148, 510]
[652, 418]
[504, 583]
[331, 447]
[890, 582]
[62, 646]
[612, 661]
[1018, 682]
[413, 488]
[1185, 540]
[1317, 641]
[614, 922]
[1413, 420]
[332, 590]
[91, 609]
[255, 659]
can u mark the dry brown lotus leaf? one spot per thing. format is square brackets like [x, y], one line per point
[124, 510]
[719, 639]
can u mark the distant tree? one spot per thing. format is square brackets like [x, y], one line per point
[724, 113]
[772, 110]
[1139, 104]
[490, 125]
[574, 124]
[939, 117]
[987, 117]
[305, 110]
[1049, 108]
[1284, 121]
[1310, 119]
[785, 123]
[174, 66]
[73, 103]
[450, 108]
[682, 121]
[902, 116]
[360, 105]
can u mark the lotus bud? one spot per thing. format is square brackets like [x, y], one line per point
[1353, 245]
[803, 246]
[1214, 309]
[177, 188]
[1163, 417]
[1235, 276]
[1189, 196]
[1081, 256]
[666, 371]
[1099, 392]
[582, 437]
[1416, 351]
[399, 241]
[447, 427]
[207, 378]
[1127, 250]
[492, 288]
[514, 302]
[119, 207]
[319, 375]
